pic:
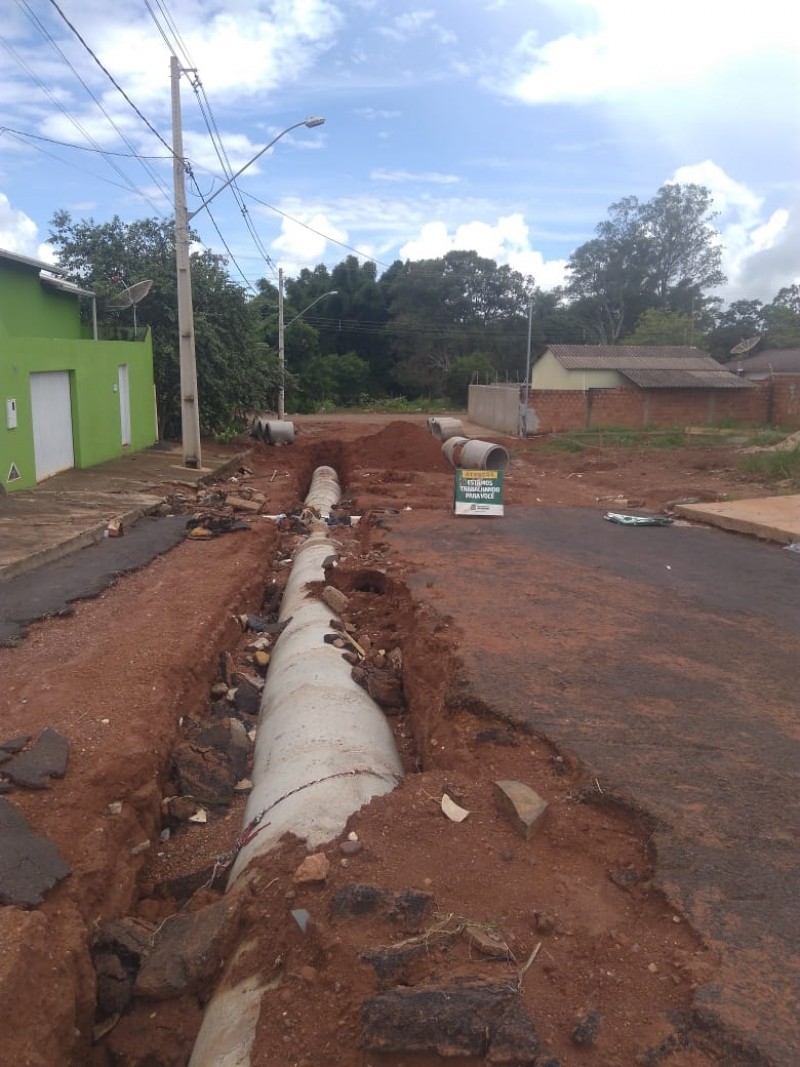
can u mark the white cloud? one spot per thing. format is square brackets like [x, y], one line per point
[298, 247]
[507, 241]
[18, 232]
[759, 248]
[432, 177]
[616, 47]
[413, 23]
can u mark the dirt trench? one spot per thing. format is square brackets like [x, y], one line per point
[603, 967]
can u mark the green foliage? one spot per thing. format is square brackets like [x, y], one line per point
[662, 253]
[775, 466]
[660, 326]
[103, 256]
[463, 371]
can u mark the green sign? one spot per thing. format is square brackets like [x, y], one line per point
[478, 493]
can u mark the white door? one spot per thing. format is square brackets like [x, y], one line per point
[51, 409]
[124, 403]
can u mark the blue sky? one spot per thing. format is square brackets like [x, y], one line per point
[504, 126]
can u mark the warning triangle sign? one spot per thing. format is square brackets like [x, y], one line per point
[13, 473]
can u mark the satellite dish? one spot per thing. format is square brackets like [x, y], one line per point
[745, 346]
[131, 296]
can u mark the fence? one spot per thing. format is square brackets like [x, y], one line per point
[774, 402]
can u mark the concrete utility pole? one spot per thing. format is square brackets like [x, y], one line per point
[190, 411]
[522, 429]
[281, 350]
[190, 408]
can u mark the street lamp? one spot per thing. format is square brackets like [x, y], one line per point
[190, 410]
[281, 339]
[522, 423]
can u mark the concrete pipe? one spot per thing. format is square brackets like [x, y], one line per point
[324, 492]
[483, 456]
[259, 428]
[443, 429]
[278, 432]
[323, 749]
[452, 449]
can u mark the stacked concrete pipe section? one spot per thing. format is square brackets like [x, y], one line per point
[444, 428]
[323, 749]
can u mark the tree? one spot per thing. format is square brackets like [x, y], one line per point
[660, 326]
[663, 253]
[443, 309]
[743, 319]
[231, 371]
[782, 319]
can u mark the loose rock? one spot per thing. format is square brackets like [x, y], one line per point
[314, 868]
[522, 805]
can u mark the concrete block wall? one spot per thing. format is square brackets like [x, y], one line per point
[495, 406]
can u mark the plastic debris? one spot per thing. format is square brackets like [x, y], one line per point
[794, 547]
[302, 918]
[453, 811]
[637, 520]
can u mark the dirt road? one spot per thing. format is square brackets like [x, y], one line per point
[661, 706]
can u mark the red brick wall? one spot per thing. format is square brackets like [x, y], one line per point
[777, 401]
[786, 403]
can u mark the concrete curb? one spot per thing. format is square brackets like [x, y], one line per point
[87, 537]
[96, 532]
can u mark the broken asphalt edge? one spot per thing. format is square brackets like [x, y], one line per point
[97, 531]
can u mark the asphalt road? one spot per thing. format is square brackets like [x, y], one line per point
[83, 575]
[668, 661]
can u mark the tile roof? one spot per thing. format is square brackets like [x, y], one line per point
[770, 361]
[651, 366]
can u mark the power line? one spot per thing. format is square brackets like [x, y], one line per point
[37, 22]
[129, 184]
[113, 80]
[78, 147]
[66, 162]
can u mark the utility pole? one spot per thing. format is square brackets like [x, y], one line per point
[522, 428]
[281, 350]
[190, 412]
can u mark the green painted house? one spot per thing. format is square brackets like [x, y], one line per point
[67, 397]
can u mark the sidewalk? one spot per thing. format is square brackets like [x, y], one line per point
[72, 510]
[772, 518]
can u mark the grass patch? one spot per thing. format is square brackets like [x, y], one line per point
[775, 466]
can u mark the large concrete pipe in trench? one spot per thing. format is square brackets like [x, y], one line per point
[323, 749]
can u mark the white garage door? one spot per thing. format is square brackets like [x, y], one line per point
[52, 423]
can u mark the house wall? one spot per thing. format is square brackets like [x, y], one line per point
[29, 309]
[547, 373]
[96, 422]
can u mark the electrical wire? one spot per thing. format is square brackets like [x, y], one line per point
[78, 147]
[129, 184]
[65, 162]
[37, 22]
[113, 80]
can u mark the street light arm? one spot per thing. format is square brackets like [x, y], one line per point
[333, 292]
[311, 122]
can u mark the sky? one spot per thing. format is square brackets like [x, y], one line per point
[507, 127]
